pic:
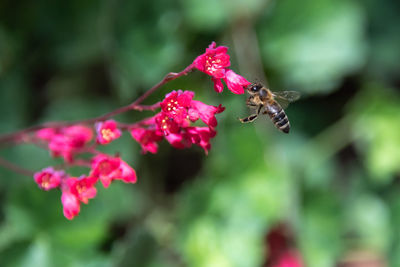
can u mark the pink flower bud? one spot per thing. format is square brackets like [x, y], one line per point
[71, 204]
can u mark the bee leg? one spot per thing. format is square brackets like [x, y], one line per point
[249, 118]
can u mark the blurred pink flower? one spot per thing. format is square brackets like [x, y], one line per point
[147, 139]
[48, 178]
[108, 168]
[71, 204]
[83, 187]
[67, 141]
[289, 259]
[107, 131]
[74, 191]
[281, 252]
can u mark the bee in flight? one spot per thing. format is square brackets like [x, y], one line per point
[265, 101]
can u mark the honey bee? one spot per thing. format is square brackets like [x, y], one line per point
[264, 100]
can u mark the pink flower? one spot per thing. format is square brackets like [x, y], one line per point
[77, 135]
[176, 104]
[82, 187]
[107, 131]
[192, 135]
[215, 62]
[235, 82]
[166, 124]
[218, 85]
[205, 112]
[67, 141]
[46, 133]
[48, 178]
[201, 136]
[147, 139]
[108, 168]
[71, 204]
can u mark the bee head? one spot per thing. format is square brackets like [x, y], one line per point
[254, 88]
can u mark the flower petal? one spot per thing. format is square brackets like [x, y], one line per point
[235, 82]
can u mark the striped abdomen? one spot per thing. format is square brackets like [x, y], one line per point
[278, 116]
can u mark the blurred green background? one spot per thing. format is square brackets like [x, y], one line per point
[334, 180]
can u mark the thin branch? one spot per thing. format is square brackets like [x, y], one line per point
[11, 166]
[18, 136]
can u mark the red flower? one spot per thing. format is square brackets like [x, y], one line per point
[107, 131]
[147, 139]
[215, 62]
[66, 141]
[48, 178]
[108, 168]
[71, 204]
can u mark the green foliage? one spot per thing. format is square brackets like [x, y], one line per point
[333, 180]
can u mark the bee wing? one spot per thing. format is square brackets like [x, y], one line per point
[286, 97]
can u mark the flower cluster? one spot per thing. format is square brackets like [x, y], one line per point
[215, 62]
[173, 122]
[67, 141]
[178, 122]
[77, 190]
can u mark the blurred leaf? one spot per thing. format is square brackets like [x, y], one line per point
[384, 37]
[368, 220]
[378, 107]
[313, 43]
[320, 229]
[38, 254]
[235, 214]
